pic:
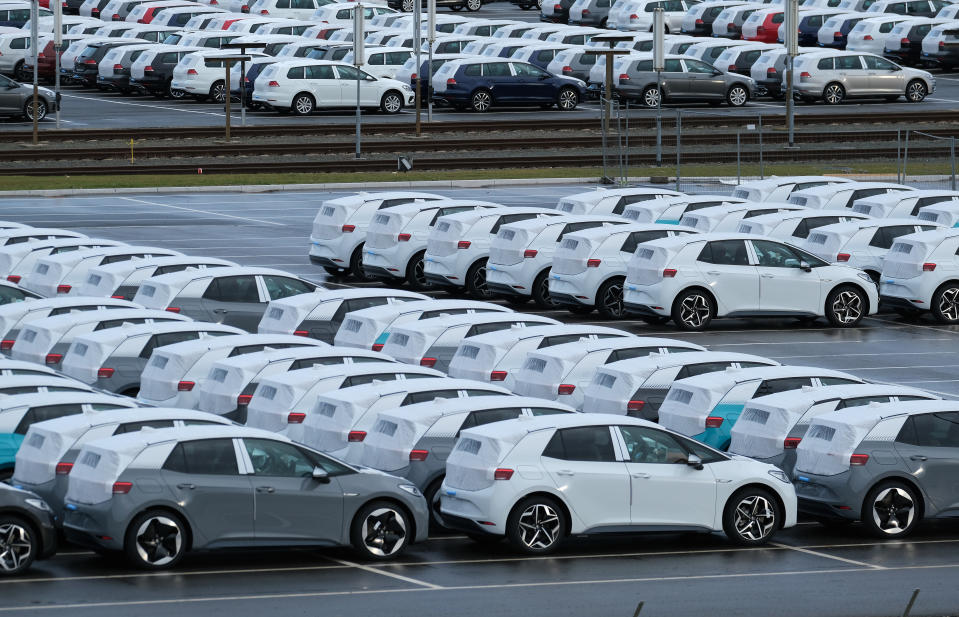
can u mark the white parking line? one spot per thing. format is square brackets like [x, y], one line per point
[179, 109]
[383, 573]
[827, 556]
[912, 325]
[242, 218]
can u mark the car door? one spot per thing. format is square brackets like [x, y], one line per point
[324, 86]
[674, 81]
[783, 285]
[9, 95]
[369, 90]
[532, 83]
[290, 504]
[884, 76]
[205, 478]
[504, 87]
[726, 270]
[234, 301]
[852, 74]
[703, 81]
[582, 464]
[929, 445]
[664, 490]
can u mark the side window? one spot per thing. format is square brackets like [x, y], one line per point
[572, 227]
[636, 238]
[283, 287]
[588, 443]
[725, 252]
[296, 72]
[377, 59]
[308, 362]
[488, 416]
[937, 430]
[444, 211]
[488, 327]
[877, 63]
[545, 411]
[496, 69]
[884, 236]
[691, 370]
[772, 386]
[9, 295]
[559, 339]
[861, 401]
[233, 289]
[775, 255]
[355, 304]
[424, 397]
[203, 456]
[46, 412]
[320, 71]
[673, 65]
[361, 380]
[646, 445]
[803, 229]
[837, 381]
[825, 64]
[506, 219]
[473, 70]
[135, 427]
[632, 352]
[167, 338]
[278, 459]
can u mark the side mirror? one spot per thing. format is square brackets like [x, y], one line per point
[695, 462]
[717, 73]
[320, 475]
[542, 77]
[804, 266]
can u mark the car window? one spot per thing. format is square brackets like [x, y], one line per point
[698, 66]
[116, 323]
[848, 63]
[725, 252]
[647, 445]
[135, 427]
[496, 69]
[46, 412]
[167, 338]
[775, 255]
[284, 286]
[673, 65]
[473, 70]
[361, 380]
[784, 384]
[631, 352]
[877, 63]
[837, 381]
[861, 401]
[233, 289]
[691, 370]
[506, 219]
[588, 443]
[560, 339]
[885, 236]
[9, 295]
[936, 430]
[528, 70]
[636, 238]
[487, 416]
[245, 349]
[825, 64]
[320, 71]
[203, 456]
[308, 362]
[278, 459]
[424, 397]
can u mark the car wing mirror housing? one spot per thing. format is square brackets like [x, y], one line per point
[694, 461]
[321, 475]
[804, 266]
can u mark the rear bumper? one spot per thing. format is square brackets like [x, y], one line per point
[442, 281]
[381, 272]
[640, 309]
[465, 525]
[503, 289]
[893, 303]
[567, 299]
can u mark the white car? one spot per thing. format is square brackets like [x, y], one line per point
[903, 204]
[562, 372]
[458, 246]
[339, 228]
[843, 195]
[945, 214]
[201, 74]
[610, 201]
[15, 315]
[589, 266]
[396, 239]
[720, 219]
[295, 9]
[694, 279]
[638, 386]
[123, 278]
[780, 188]
[19, 235]
[861, 244]
[920, 274]
[795, 225]
[670, 210]
[341, 14]
[538, 480]
[15, 259]
[521, 254]
[381, 61]
[870, 35]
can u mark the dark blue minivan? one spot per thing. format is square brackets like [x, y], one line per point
[481, 83]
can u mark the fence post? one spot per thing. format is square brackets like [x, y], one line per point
[762, 169]
[626, 179]
[679, 136]
[739, 178]
[899, 156]
[905, 157]
[605, 128]
[952, 158]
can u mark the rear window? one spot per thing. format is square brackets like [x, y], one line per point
[46, 412]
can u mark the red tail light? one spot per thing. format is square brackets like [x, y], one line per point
[377, 347]
[301, 333]
[428, 362]
[404, 237]
[296, 417]
[413, 76]
[868, 37]
[732, 67]
[116, 16]
[54, 358]
[13, 278]
[502, 474]
[623, 77]
[700, 22]
[634, 16]
[928, 267]
[565, 388]
[498, 375]
[669, 273]
[593, 263]
[858, 459]
[557, 7]
[118, 297]
[346, 228]
[356, 436]
[63, 468]
[276, 84]
[173, 309]
[837, 35]
[635, 405]
[185, 386]
[791, 443]
[942, 44]
[40, 55]
[192, 72]
[264, 12]
[122, 488]
[904, 41]
[245, 8]
[585, 12]
[567, 69]
[244, 399]
[63, 289]
[6, 345]
[463, 244]
[90, 61]
[117, 67]
[714, 422]
[419, 455]
[842, 257]
[805, 75]
[771, 71]
[104, 373]
[530, 253]
[450, 82]
[148, 69]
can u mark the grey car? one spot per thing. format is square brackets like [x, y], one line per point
[198, 487]
[26, 530]
[834, 76]
[686, 80]
[887, 465]
[16, 99]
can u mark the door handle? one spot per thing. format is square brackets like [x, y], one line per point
[565, 472]
[768, 276]
[918, 457]
[640, 476]
[186, 486]
[713, 273]
[265, 489]
[220, 311]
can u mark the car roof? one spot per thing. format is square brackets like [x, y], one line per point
[80, 317]
[851, 227]
[237, 340]
[62, 398]
[441, 323]
[681, 359]
[732, 375]
[493, 338]
[515, 430]
[185, 276]
[142, 414]
[149, 436]
[808, 396]
[604, 232]
[578, 348]
[121, 333]
[384, 388]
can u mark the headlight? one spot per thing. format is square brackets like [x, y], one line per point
[412, 490]
[407, 88]
[39, 504]
[779, 475]
[864, 277]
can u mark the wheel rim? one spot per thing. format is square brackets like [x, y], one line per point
[694, 310]
[41, 110]
[419, 273]
[159, 541]
[847, 307]
[479, 282]
[15, 546]
[481, 101]
[473, 5]
[218, 93]
[737, 96]
[755, 517]
[544, 292]
[893, 511]
[651, 98]
[408, 6]
[177, 94]
[384, 532]
[916, 92]
[392, 103]
[613, 300]
[539, 526]
[833, 94]
[304, 105]
[949, 304]
[568, 99]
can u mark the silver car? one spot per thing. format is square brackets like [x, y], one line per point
[686, 80]
[835, 76]
[16, 99]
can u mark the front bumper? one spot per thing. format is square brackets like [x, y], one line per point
[893, 303]
[823, 497]
[93, 526]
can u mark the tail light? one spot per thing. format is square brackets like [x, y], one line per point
[419, 455]
[122, 488]
[276, 84]
[246, 80]
[585, 12]
[450, 82]
[413, 76]
[558, 7]
[771, 72]
[264, 12]
[90, 61]
[54, 358]
[64, 289]
[6, 345]
[858, 459]
[593, 263]
[356, 436]
[634, 16]
[117, 67]
[185, 386]
[116, 16]
[928, 267]
[14, 278]
[173, 309]
[732, 68]
[635, 405]
[104, 373]
[498, 375]
[942, 44]
[346, 228]
[148, 69]
[40, 55]
[804, 76]
[714, 422]
[377, 347]
[296, 417]
[565, 388]
[868, 37]
[95, 10]
[700, 22]
[404, 237]
[842, 257]
[118, 297]
[567, 69]
[301, 333]
[669, 273]
[192, 72]
[530, 253]
[244, 399]
[624, 77]
[463, 244]
[837, 35]
[245, 8]
[791, 443]
[502, 474]
[904, 41]
[428, 362]
[63, 469]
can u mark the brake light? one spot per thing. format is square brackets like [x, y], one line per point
[301, 333]
[804, 75]
[404, 237]
[771, 71]
[669, 273]
[185, 386]
[714, 422]
[90, 61]
[116, 16]
[837, 35]
[624, 77]
[356, 436]
[928, 267]
[412, 76]
[6, 345]
[498, 375]
[296, 417]
[54, 358]
[868, 37]
[700, 22]
[842, 257]
[104, 373]
[634, 16]
[450, 82]
[502, 474]
[428, 362]
[276, 84]
[593, 263]
[264, 12]
[377, 347]
[565, 388]
[117, 67]
[585, 12]
[13, 278]
[791, 443]
[530, 253]
[192, 72]
[243, 399]
[635, 405]
[858, 459]
[122, 488]
[419, 455]
[904, 41]
[732, 67]
[148, 69]
[463, 244]
[567, 69]
[118, 297]
[63, 469]
[173, 309]
[346, 228]
[245, 8]
[557, 7]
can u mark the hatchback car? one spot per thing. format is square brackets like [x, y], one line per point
[686, 80]
[670, 210]
[698, 19]
[16, 259]
[836, 76]
[11, 293]
[945, 214]
[14, 316]
[843, 195]
[871, 34]
[26, 524]
[919, 275]
[123, 279]
[16, 99]
[904, 43]
[726, 218]
[904, 204]
[780, 188]
[587, 465]
[941, 47]
[152, 71]
[795, 226]
[610, 201]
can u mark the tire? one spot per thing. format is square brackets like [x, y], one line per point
[432, 502]
[303, 104]
[737, 96]
[218, 92]
[381, 530]
[356, 264]
[474, 5]
[415, 273]
[536, 526]
[567, 100]
[20, 75]
[945, 303]
[751, 517]
[174, 93]
[651, 97]
[693, 310]
[407, 6]
[391, 103]
[156, 540]
[18, 545]
[476, 281]
[891, 510]
[541, 291]
[481, 101]
[609, 298]
[846, 306]
[41, 109]
[833, 94]
[580, 310]
[539, 4]
[916, 91]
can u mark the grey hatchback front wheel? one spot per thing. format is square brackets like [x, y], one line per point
[916, 91]
[381, 530]
[156, 540]
[737, 96]
[41, 109]
[891, 510]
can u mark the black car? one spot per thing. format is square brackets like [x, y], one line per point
[558, 11]
[86, 66]
[26, 530]
[252, 70]
[910, 46]
[158, 74]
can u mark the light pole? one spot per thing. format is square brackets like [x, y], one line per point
[659, 62]
[57, 43]
[792, 49]
[417, 44]
[34, 43]
[430, 37]
[358, 52]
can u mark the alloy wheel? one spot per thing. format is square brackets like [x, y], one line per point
[539, 526]
[408, 6]
[568, 100]
[481, 101]
[419, 274]
[176, 93]
[478, 283]
[893, 511]
[218, 93]
[847, 307]
[755, 517]
[16, 547]
[473, 5]
[834, 94]
[41, 109]
[916, 92]
[612, 299]
[544, 292]
[738, 96]
[694, 310]
[392, 103]
[303, 105]
[949, 304]
[651, 97]
[384, 532]
[159, 540]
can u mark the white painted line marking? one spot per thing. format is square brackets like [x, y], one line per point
[177, 109]
[98, 577]
[383, 573]
[914, 325]
[827, 556]
[242, 218]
